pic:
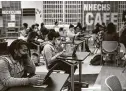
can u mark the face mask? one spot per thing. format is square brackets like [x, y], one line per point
[24, 56]
[35, 29]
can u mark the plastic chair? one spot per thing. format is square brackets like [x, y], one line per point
[110, 48]
[113, 83]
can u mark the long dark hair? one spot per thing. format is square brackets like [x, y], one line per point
[52, 34]
[79, 25]
[111, 28]
[16, 44]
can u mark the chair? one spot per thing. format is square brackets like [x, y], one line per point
[113, 83]
[110, 48]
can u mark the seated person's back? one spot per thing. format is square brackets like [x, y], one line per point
[32, 35]
[111, 34]
[110, 37]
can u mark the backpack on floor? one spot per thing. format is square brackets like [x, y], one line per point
[96, 60]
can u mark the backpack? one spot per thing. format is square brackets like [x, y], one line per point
[96, 60]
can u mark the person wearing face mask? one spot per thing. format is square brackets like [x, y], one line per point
[33, 37]
[15, 67]
[56, 27]
[52, 50]
[71, 33]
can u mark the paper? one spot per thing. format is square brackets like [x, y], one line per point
[43, 86]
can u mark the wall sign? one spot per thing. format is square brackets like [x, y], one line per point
[11, 12]
[11, 24]
[98, 13]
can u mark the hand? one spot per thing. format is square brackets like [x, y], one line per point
[35, 80]
[78, 33]
[62, 52]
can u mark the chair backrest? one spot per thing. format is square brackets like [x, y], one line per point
[109, 46]
[113, 83]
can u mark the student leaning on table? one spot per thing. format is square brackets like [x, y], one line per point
[15, 67]
[71, 33]
[52, 50]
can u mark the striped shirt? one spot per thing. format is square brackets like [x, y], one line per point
[11, 73]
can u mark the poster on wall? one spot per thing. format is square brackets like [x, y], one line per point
[12, 17]
[11, 24]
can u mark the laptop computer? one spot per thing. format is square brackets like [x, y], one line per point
[72, 54]
[46, 78]
[3, 48]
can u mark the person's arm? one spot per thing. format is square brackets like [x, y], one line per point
[48, 53]
[71, 35]
[29, 66]
[121, 30]
[6, 78]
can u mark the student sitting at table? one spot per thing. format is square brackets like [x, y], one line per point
[71, 35]
[52, 51]
[15, 67]
[33, 37]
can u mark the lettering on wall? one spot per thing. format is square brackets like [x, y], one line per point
[98, 13]
[11, 12]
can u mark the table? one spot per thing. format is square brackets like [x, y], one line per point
[58, 81]
[80, 56]
[76, 42]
